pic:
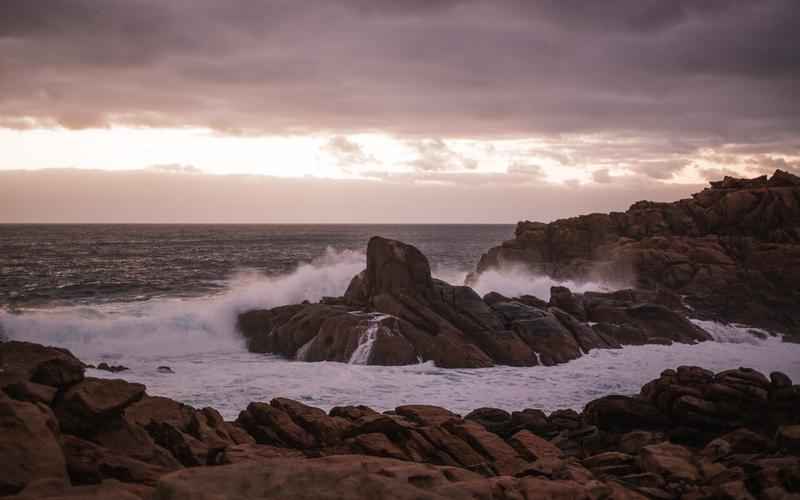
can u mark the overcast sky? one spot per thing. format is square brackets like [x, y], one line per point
[385, 110]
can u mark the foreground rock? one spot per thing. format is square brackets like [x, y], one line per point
[395, 313]
[732, 250]
[690, 433]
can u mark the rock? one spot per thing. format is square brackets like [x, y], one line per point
[788, 437]
[32, 392]
[94, 399]
[89, 463]
[107, 490]
[351, 477]
[633, 442]
[27, 362]
[493, 419]
[532, 447]
[505, 459]
[271, 425]
[611, 463]
[533, 420]
[112, 368]
[723, 250]
[29, 448]
[164, 369]
[327, 430]
[780, 380]
[620, 413]
[427, 414]
[671, 461]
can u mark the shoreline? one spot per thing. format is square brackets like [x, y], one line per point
[688, 431]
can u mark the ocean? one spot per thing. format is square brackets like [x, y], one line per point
[151, 295]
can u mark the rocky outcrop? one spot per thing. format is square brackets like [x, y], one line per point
[690, 433]
[395, 312]
[732, 251]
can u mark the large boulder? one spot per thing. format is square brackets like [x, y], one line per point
[29, 447]
[732, 251]
[28, 362]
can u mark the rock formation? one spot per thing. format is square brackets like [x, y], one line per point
[395, 313]
[690, 434]
[732, 251]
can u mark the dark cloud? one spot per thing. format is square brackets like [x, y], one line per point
[698, 74]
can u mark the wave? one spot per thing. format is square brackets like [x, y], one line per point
[180, 326]
[514, 281]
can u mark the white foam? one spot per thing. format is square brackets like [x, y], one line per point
[514, 281]
[181, 326]
[732, 333]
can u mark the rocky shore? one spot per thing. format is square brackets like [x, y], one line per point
[688, 434]
[731, 251]
[395, 313]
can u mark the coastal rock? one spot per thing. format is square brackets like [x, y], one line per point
[732, 251]
[28, 362]
[29, 447]
[691, 433]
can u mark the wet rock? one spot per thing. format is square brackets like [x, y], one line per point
[112, 368]
[164, 369]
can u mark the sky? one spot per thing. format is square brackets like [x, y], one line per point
[386, 111]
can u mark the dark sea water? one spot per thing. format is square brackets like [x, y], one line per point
[44, 265]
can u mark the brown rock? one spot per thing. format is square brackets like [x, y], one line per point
[29, 448]
[427, 414]
[672, 461]
[28, 362]
[94, 399]
[271, 425]
[788, 437]
[532, 447]
[89, 463]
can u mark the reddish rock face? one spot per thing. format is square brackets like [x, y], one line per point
[733, 250]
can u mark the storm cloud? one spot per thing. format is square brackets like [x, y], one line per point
[702, 74]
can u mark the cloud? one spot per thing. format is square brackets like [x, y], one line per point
[176, 168]
[661, 170]
[435, 155]
[348, 154]
[601, 176]
[73, 195]
[700, 74]
[526, 169]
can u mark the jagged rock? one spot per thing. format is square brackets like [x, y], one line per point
[732, 250]
[29, 448]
